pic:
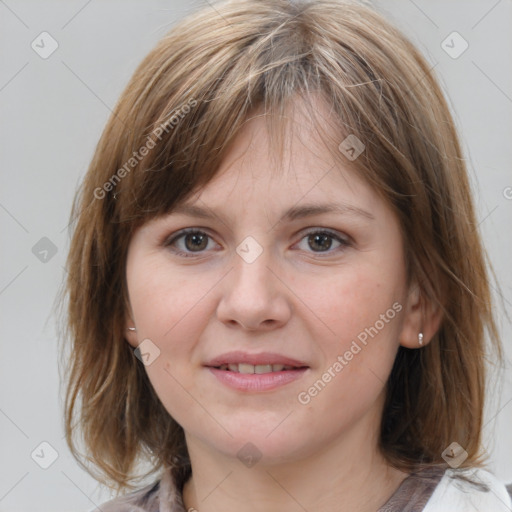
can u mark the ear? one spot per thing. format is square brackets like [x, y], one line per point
[131, 337]
[420, 315]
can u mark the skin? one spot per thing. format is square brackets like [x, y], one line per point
[294, 299]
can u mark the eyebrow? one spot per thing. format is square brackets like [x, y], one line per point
[293, 213]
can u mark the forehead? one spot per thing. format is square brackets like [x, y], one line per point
[310, 167]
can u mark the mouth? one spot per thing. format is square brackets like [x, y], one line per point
[259, 369]
[256, 372]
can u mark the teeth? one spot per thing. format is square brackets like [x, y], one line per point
[245, 368]
[263, 368]
[258, 369]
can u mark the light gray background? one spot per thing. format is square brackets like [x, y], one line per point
[52, 113]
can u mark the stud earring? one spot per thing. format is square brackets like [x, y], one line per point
[131, 329]
[420, 338]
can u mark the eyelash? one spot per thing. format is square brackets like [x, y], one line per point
[344, 243]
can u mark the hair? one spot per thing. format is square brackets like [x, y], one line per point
[185, 104]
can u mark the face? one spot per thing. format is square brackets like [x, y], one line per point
[310, 303]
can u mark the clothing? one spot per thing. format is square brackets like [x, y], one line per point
[429, 490]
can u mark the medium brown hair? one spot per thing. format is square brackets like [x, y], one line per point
[185, 104]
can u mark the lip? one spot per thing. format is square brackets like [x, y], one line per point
[255, 359]
[253, 381]
[257, 382]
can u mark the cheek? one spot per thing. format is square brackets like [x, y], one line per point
[165, 302]
[352, 378]
[170, 310]
[364, 316]
[174, 322]
[354, 299]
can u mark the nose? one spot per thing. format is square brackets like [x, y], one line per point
[254, 296]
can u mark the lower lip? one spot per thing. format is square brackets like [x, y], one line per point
[257, 381]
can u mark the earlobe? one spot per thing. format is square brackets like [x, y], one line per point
[130, 332]
[131, 336]
[422, 320]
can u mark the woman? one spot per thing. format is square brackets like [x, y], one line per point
[278, 297]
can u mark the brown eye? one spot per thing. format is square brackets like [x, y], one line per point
[189, 241]
[196, 241]
[321, 241]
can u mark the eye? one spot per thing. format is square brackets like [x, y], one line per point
[193, 241]
[322, 240]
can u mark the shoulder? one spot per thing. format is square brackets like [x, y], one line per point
[160, 496]
[467, 490]
[142, 500]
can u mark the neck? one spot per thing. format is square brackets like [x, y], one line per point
[346, 475]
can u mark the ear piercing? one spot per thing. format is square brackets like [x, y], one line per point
[131, 329]
[420, 338]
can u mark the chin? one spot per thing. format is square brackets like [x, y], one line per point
[256, 440]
